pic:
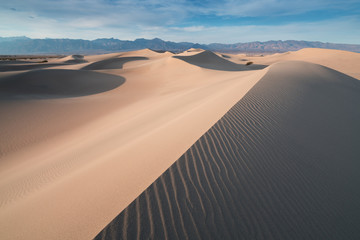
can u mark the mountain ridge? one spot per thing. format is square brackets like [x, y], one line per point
[25, 45]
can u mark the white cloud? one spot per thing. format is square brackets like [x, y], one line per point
[189, 29]
[130, 19]
[340, 30]
[256, 8]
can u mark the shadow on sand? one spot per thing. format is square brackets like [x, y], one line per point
[56, 83]
[7, 67]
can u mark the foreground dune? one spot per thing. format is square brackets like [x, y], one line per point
[281, 164]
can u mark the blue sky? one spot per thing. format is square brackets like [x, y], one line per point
[207, 21]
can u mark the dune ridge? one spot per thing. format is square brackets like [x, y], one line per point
[281, 164]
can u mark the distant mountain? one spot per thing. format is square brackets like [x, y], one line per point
[281, 46]
[24, 45]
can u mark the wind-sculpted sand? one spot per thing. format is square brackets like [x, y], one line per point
[156, 145]
[281, 164]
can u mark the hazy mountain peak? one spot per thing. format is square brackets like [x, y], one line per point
[25, 45]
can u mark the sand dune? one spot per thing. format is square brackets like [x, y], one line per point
[281, 164]
[82, 142]
[115, 63]
[69, 154]
[74, 59]
[194, 50]
[343, 61]
[40, 63]
[210, 60]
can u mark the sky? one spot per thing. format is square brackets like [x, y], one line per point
[201, 21]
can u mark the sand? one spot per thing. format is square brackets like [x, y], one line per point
[154, 152]
[342, 61]
[272, 168]
[209, 60]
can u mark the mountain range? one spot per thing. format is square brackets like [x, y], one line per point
[25, 45]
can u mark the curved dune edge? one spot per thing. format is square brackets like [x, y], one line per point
[83, 198]
[281, 164]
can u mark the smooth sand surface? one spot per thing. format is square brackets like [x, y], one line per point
[280, 164]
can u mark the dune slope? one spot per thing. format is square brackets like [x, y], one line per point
[283, 163]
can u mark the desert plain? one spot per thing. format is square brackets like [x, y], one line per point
[193, 145]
